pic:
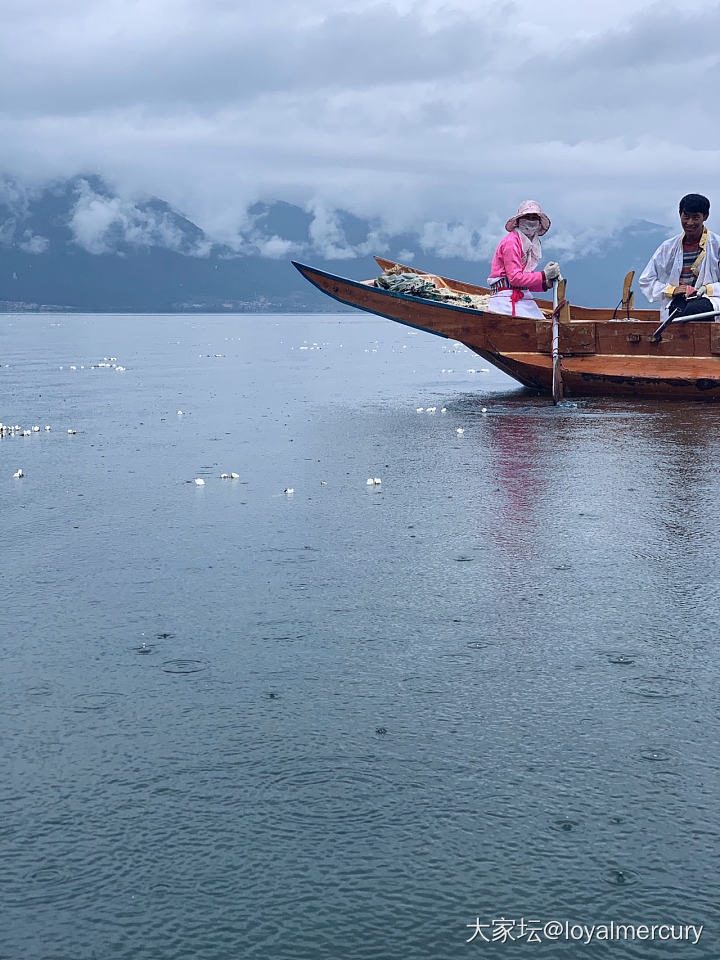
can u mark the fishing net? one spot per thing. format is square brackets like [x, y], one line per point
[419, 285]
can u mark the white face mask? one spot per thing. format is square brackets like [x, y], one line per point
[529, 228]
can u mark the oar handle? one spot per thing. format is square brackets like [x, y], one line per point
[673, 318]
[557, 385]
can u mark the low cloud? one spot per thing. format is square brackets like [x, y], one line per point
[101, 224]
[457, 240]
[275, 248]
[327, 236]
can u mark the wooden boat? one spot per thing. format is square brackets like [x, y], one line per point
[600, 355]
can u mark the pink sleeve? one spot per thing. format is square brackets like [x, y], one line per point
[509, 253]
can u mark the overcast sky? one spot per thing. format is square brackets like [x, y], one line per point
[416, 112]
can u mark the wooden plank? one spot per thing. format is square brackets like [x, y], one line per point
[666, 368]
[601, 313]
[577, 338]
[612, 339]
[543, 336]
[701, 339]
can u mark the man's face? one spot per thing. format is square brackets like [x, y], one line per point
[692, 224]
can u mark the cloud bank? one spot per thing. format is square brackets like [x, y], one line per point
[422, 116]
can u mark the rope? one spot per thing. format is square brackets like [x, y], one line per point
[556, 312]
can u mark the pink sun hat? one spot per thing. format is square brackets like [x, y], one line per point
[526, 207]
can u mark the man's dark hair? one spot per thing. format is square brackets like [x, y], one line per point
[695, 203]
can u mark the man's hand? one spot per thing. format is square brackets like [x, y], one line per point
[682, 289]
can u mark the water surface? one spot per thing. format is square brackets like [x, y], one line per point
[346, 721]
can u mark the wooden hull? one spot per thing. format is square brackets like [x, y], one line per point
[600, 356]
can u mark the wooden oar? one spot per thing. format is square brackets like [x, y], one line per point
[671, 317]
[688, 319]
[628, 300]
[557, 384]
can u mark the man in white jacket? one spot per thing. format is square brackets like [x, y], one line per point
[684, 273]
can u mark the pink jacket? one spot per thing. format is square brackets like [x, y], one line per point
[507, 262]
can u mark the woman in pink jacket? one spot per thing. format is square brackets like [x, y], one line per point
[513, 273]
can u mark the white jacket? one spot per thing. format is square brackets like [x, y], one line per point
[663, 272]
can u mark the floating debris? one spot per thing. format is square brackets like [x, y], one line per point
[460, 430]
[289, 491]
[72, 432]
[373, 481]
[483, 410]
[180, 413]
[199, 481]
[19, 475]
[9, 431]
[229, 476]
[323, 483]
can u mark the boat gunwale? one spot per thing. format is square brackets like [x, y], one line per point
[362, 285]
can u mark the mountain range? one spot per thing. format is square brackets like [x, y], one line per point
[75, 245]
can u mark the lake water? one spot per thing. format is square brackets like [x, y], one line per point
[351, 721]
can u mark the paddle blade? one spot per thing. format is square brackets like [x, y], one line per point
[627, 284]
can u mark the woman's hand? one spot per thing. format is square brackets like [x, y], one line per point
[552, 271]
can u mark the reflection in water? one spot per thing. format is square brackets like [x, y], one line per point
[515, 446]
